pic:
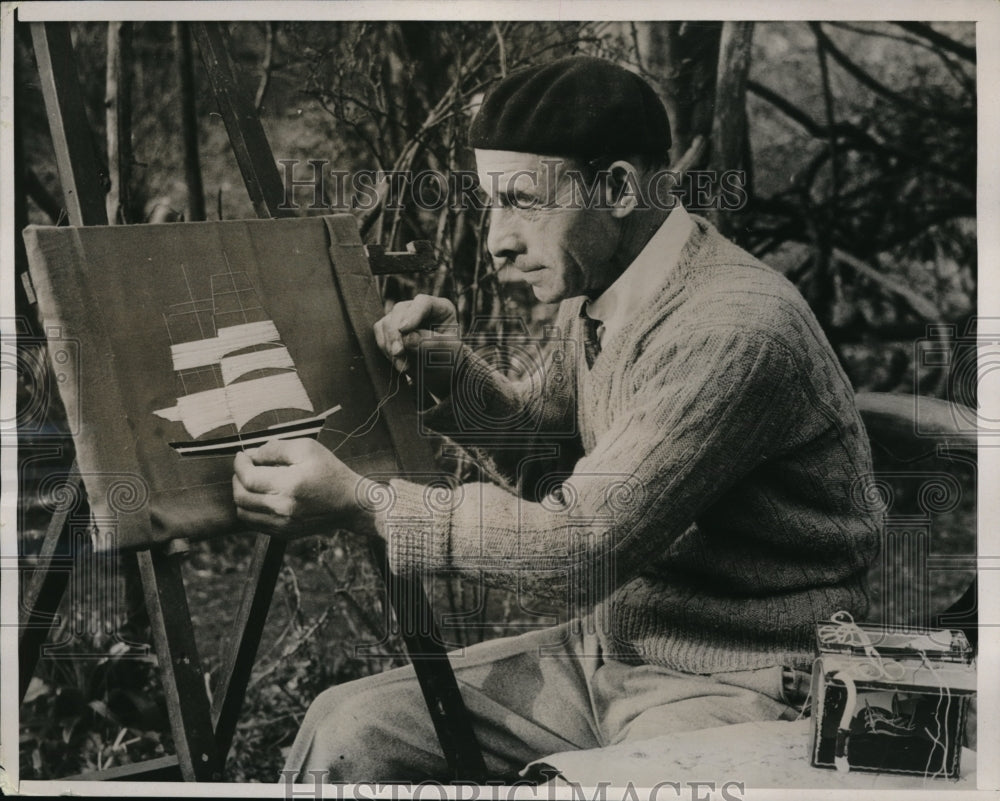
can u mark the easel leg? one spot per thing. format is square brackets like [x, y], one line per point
[49, 581]
[269, 553]
[180, 669]
[424, 645]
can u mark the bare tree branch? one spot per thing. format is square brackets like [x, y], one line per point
[860, 139]
[917, 302]
[356, 127]
[693, 156]
[42, 197]
[956, 70]
[787, 108]
[831, 139]
[869, 31]
[266, 66]
[862, 77]
[925, 31]
[502, 48]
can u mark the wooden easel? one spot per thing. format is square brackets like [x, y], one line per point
[203, 732]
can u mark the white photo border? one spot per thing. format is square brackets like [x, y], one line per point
[984, 13]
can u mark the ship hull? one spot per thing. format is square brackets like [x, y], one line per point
[234, 443]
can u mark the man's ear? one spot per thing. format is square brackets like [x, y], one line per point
[625, 189]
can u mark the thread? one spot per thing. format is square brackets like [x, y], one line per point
[844, 631]
[944, 694]
[368, 425]
[805, 704]
[840, 760]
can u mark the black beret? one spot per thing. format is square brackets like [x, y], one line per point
[579, 106]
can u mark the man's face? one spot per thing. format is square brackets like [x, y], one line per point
[562, 249]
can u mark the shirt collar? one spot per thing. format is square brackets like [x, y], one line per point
[617, 304]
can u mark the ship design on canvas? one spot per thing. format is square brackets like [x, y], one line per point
[234, 370]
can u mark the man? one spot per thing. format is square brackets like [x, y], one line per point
[714, 505]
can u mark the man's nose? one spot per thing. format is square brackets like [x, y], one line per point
[503, 241]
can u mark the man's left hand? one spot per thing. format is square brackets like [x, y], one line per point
[296, 487]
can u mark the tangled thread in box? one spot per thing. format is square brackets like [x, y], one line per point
[896, 715]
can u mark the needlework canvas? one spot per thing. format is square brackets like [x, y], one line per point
[190, 341]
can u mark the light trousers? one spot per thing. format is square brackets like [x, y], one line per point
[529, 696]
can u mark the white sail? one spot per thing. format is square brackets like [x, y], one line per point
[234, 367]
[237, 404]
[203, 352]
[238, 401]
[247, 399]
[200, 412]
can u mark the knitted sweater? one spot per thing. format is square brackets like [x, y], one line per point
[721, 502]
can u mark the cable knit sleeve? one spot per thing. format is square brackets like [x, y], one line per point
[701, 412]
[508, 424]
[486, 407]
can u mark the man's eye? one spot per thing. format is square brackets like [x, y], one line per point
[525, 203]
[518, 204]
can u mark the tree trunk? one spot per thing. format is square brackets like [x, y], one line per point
[729, 123]
[680, 59]
[118, 105]
[195, 207]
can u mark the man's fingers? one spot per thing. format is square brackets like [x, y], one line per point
[262, 479]
[409, 344]
[272, 452]
[264, 502]
[425, 311]
[248, 499]
[257, 521]
[278, 452]
[387, 337]
[441, 312]
[416, 311]
[246, 472]
[408, 324]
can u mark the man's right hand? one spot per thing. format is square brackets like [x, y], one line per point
[409, 327]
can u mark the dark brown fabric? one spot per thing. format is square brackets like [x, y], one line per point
[107, 290]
